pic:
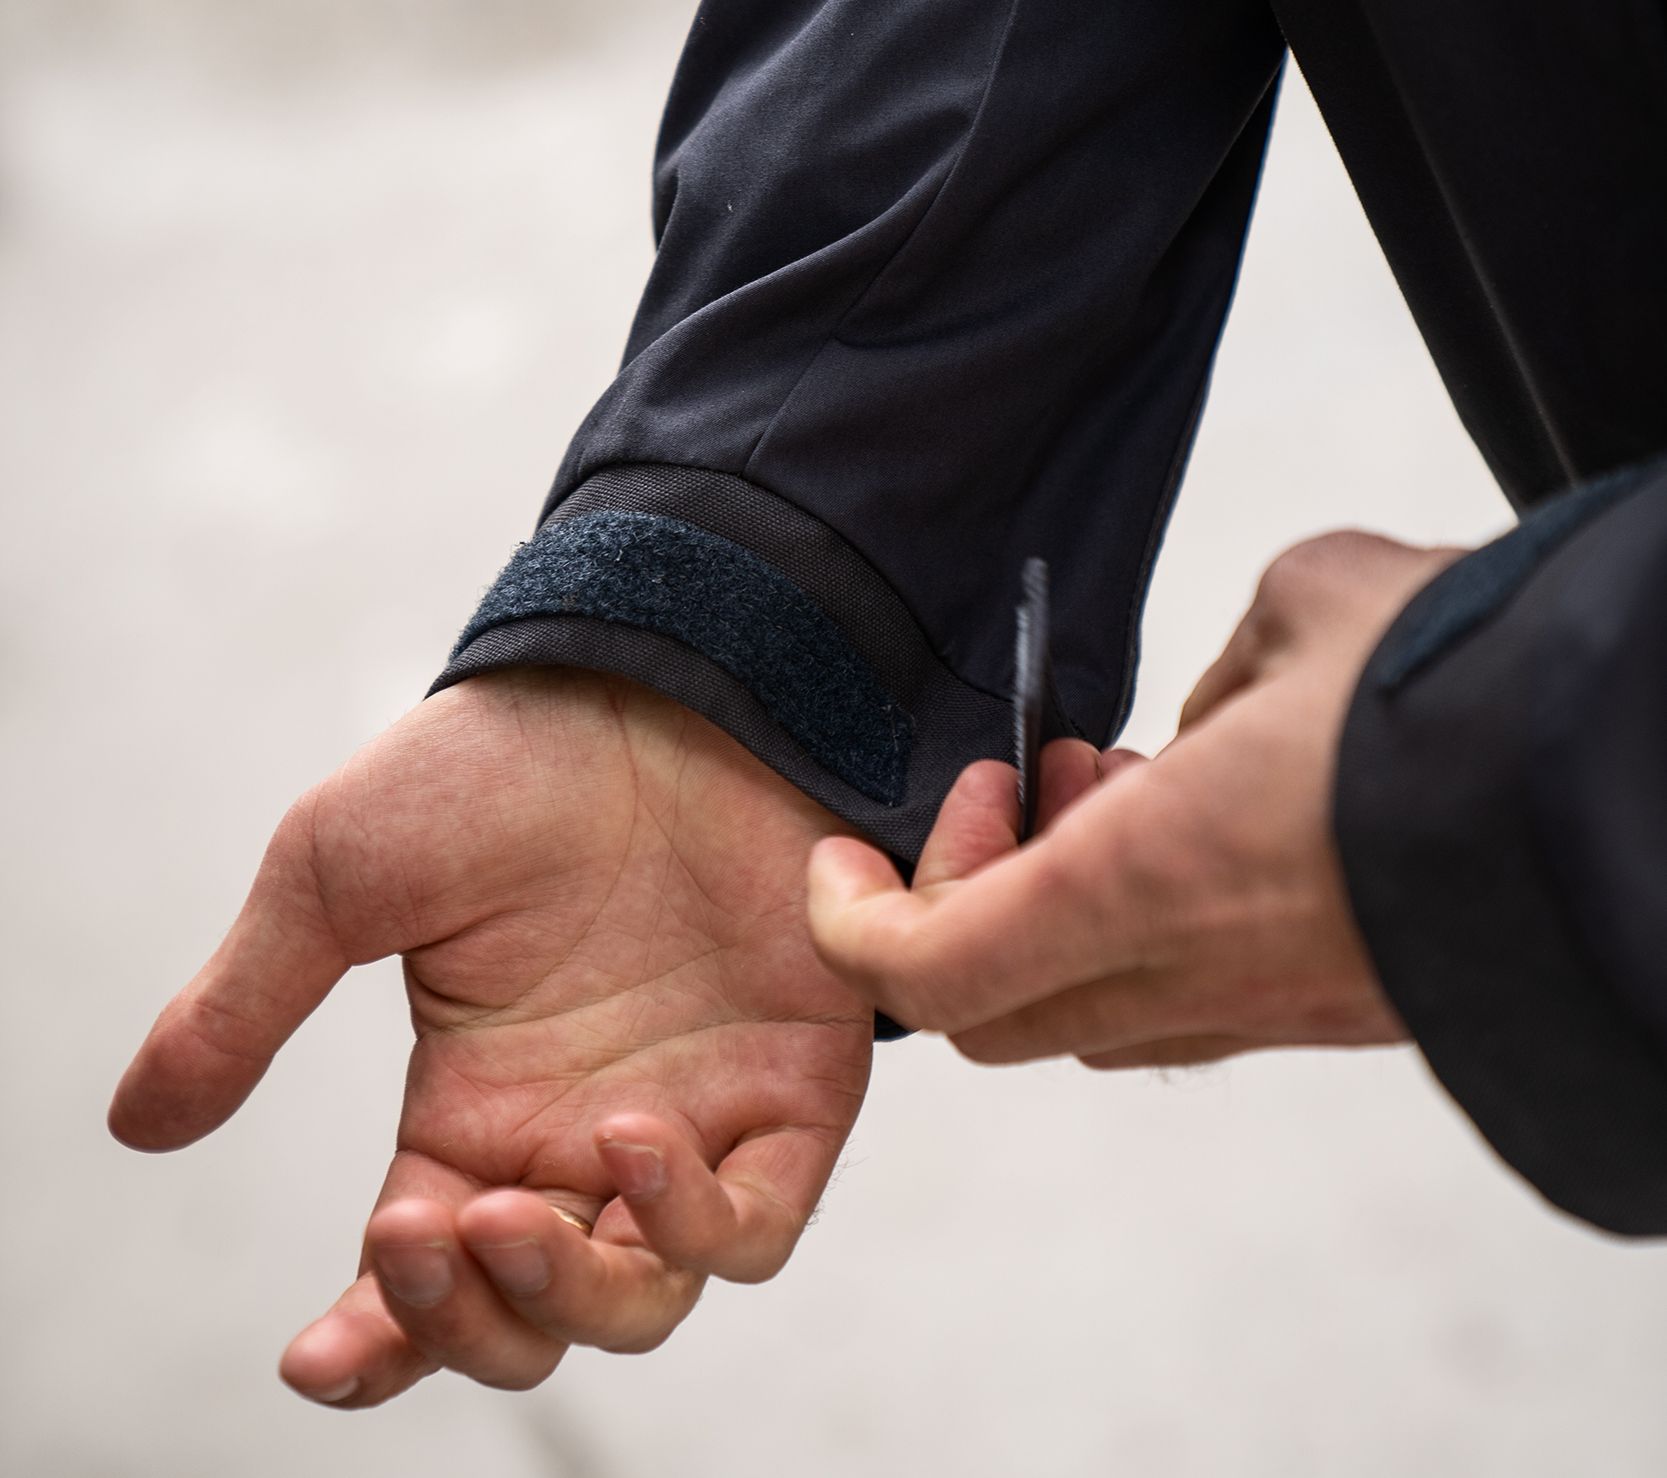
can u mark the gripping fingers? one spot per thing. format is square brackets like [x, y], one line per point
[979, 819]
[1070, 769]
[1096, 1017]
[356, 1355]
[445, 1304]
[570, 1288]
[740, 1223]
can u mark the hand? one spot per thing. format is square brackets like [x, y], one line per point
[598, 897]
[1174, 910]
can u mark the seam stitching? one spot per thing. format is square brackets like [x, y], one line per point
[844, 544]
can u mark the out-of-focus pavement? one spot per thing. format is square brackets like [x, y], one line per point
[298, 305]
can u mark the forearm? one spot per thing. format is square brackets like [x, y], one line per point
[938, 287]
[1502, 815]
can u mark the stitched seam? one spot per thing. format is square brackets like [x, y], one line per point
[650, 619]
[1164, 508]
[844, 543]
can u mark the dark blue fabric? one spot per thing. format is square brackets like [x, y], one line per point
[948, 275]
[1512, 158]
[670, 577]
[1501, 815]
[1468, 592]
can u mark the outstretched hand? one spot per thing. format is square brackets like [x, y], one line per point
[1174, 910]
[620, 1022]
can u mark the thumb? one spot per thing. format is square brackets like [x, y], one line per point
[216, 1038]
[852, 888]
[979, 819]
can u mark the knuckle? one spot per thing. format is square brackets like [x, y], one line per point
[988, 1049]
[621, 1334]
[516, 1380]
[303, 861]
[985, 785]
[1286, 576]
[1318, 565]
[766, 1235]
[539, 1315]
[752, 1267]
[703, 1255]
[226, 1028]
[644, 1343]
[300, 833]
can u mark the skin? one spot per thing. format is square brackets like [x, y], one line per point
[1174, 910]
[598, 898]
[620, 1013]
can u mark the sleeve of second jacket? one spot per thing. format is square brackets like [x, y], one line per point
[1501, 809]
[938, 286]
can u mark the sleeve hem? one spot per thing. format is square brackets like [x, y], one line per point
[761, 618]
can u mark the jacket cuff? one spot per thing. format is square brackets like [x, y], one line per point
[1464, 906]
[758, 616]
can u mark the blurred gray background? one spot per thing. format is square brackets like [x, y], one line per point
[298, 305]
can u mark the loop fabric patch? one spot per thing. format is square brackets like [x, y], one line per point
[667, 576]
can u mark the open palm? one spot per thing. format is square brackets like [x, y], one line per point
[619, 1021]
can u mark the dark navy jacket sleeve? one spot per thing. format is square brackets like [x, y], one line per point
[1501, 809]
[938, 287]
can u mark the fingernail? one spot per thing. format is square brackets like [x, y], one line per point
[516, 1267]
[638, 1169]
[416, 1275]
[338, 1393]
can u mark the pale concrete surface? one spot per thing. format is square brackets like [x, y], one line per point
[297, 306]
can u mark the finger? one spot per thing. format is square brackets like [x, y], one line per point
[978, 821]
[934, 963]
[356, 1355]
[604, 1291]
[1309, 589]
[740, 1223]
[1078, 903]
[980, 817]
[1101, 1016]
[215, 1039]
[1114, 761]
[842, 869]
[439, 1295]
[446, 1305]
[1176, 1052]
[1241, 661]
[1070, 769]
